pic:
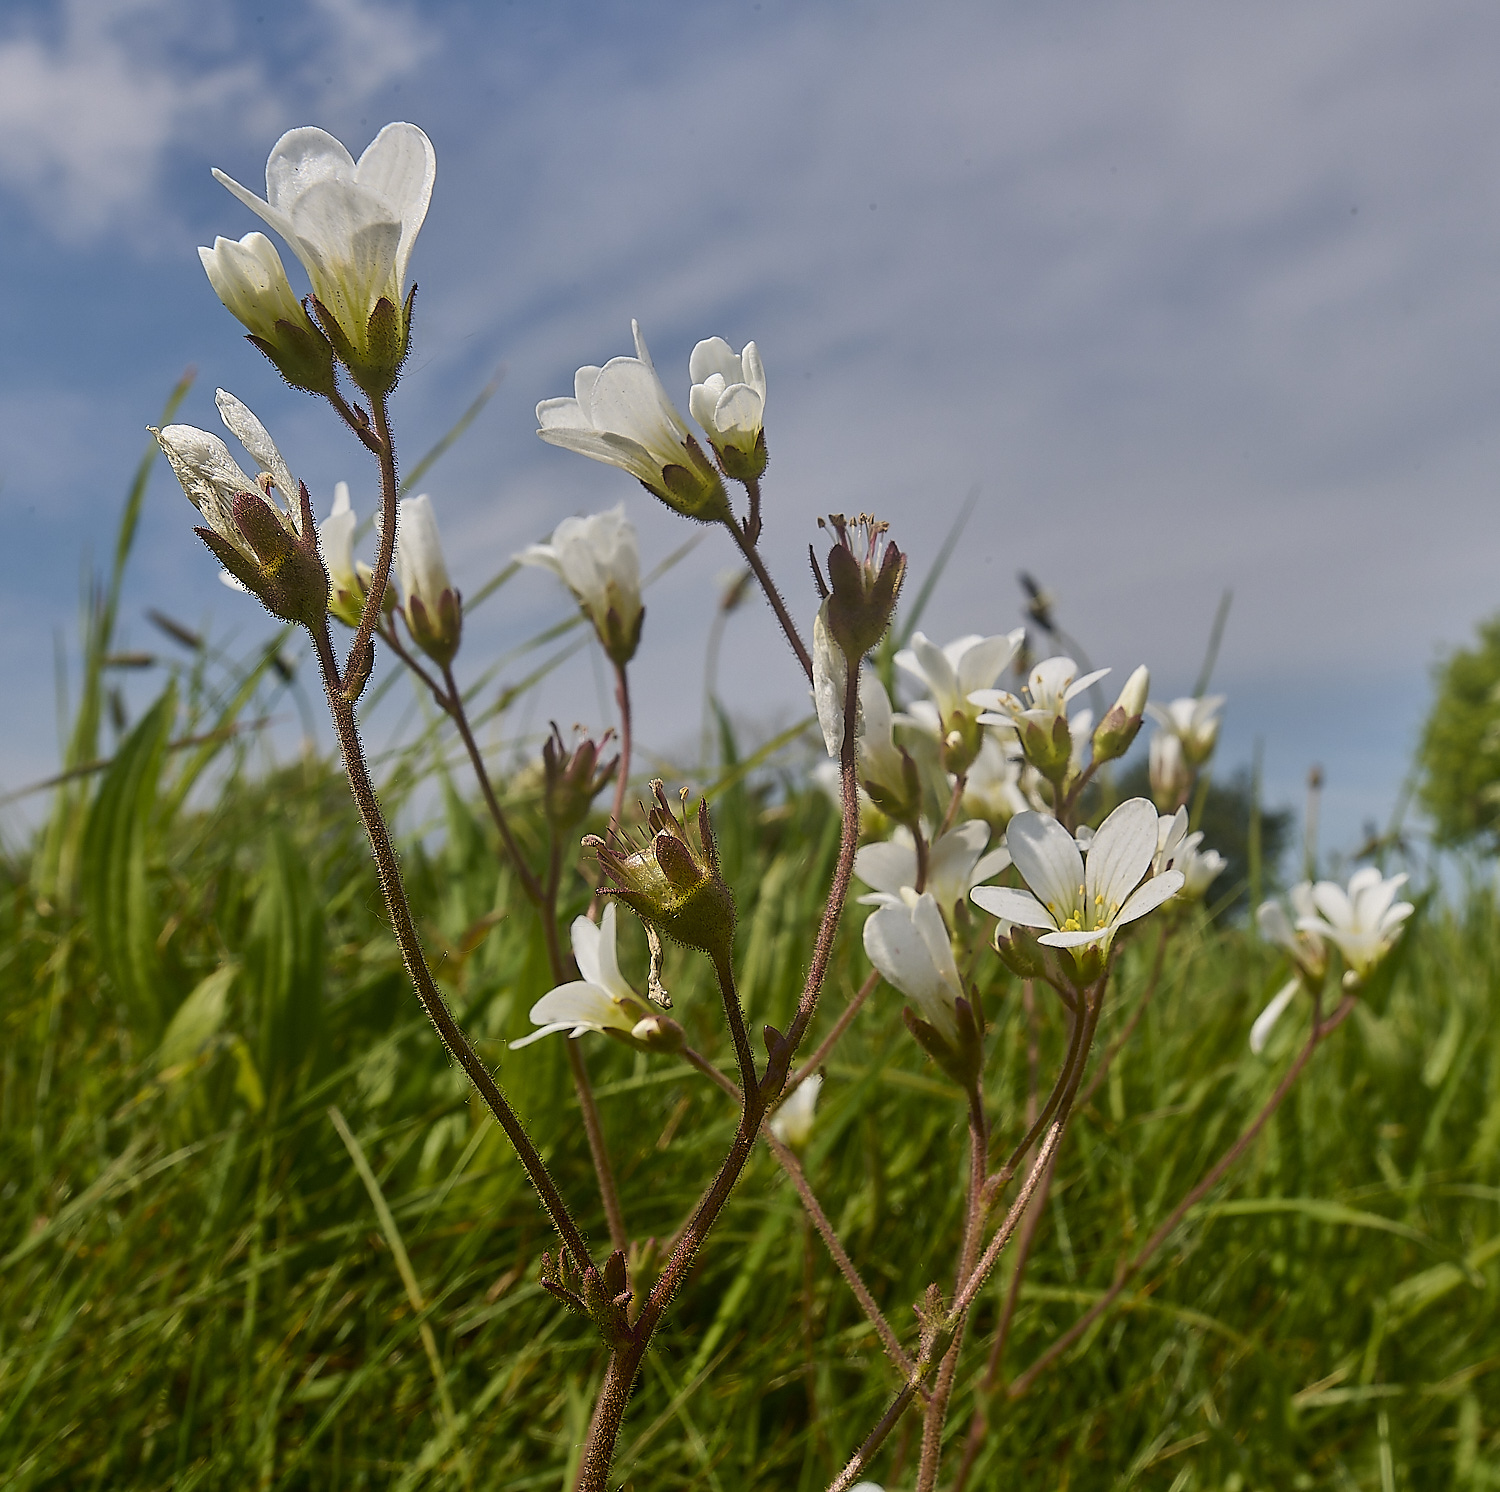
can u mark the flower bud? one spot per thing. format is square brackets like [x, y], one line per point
[1121, 725]
[268, 549]
[865, 572]
[573, 780]
[728, 398]
[1171, 777]
[249, 278]
[672, 884]
[432, 606]
[657, 1033]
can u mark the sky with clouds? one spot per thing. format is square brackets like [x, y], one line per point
[1196, 297]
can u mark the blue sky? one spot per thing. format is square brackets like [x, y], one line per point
[1199, 297]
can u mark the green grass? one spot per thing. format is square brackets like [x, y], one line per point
[203, 1284]
[196, 1289]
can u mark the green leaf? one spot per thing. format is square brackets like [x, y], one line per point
[113, 876]
[198, 1019]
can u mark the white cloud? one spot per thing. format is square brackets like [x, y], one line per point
[94, 103]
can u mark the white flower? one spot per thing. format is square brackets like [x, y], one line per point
[909, 945]
[1082, 908]
[430, 604]
[249, 278]
[992, 789]
[1040, 715]
[955, 863]
[598, 560]
[792, 1123]
[1195, 723]
[952, 674]
[601, 1000]
[620, 414]
[352, 224]
[1305, 946]
[255, 524]
[728, 398]
[1176, 849]
[1171, 777]
[346, 583]
[1362, 922]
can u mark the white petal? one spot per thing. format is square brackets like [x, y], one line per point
[981, 663]
[715, 355]
[299, 158]
[1120, 853]
[586, 937]
[582, 1004]
[830, 682]
[401, 165]
[1079, 685]
[562, 414]
[887, 866]
[1260, 1032]
[1010, 905]
[991, 865]
[739, 411]
[1048, 859]
[1150, 896]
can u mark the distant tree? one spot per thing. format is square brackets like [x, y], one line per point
[1459, 756]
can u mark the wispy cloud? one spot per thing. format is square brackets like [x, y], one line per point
[95, 97]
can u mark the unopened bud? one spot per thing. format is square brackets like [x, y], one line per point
[573, 780]
[1122, 724]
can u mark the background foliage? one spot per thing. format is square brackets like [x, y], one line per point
[254, 1233]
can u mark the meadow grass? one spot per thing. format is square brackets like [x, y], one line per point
[255, 1233]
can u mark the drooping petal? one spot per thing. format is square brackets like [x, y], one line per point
[257, 441]
[830, 682]
[1260, 1032]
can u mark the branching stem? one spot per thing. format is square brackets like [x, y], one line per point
[1320, 1031]
[431, 997]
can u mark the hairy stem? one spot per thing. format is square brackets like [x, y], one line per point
[842, 1024]
[1321, 1030]
[843, 869]
[846, 1266]
[936, 1412]
[622, 776]
[768, 586]
[385, 455]
[873, 1441]
[405, 930]
[736, 1018]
